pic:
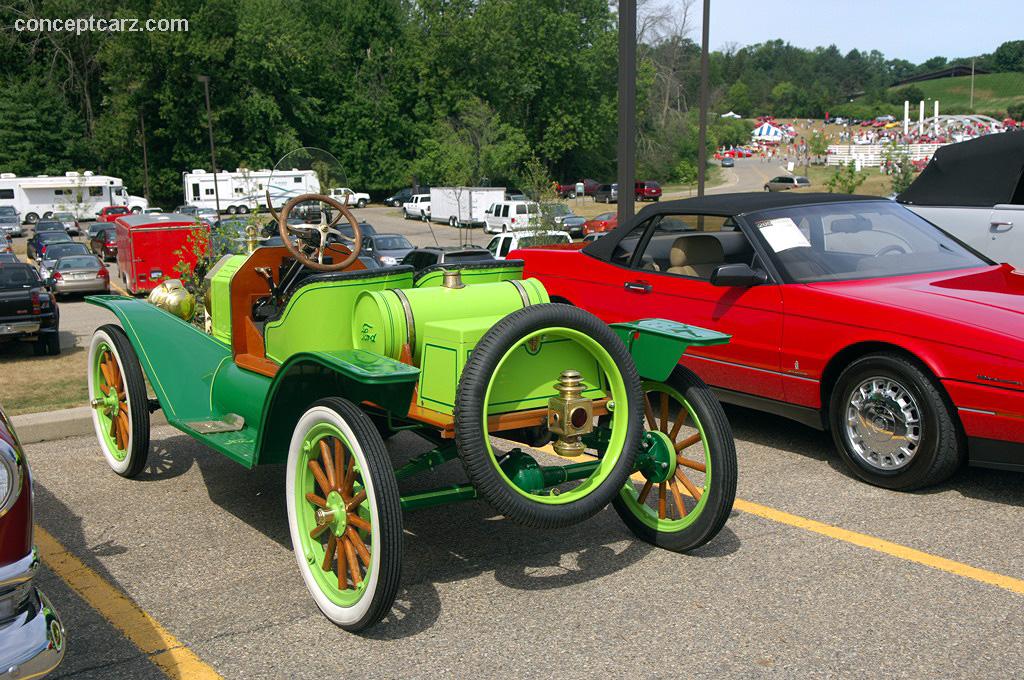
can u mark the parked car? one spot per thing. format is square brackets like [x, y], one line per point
[56, 251]
[95, 227]
[104, 243]
[421, 258]
[69, 222]
[35, 247]
[386, 249]
[32, 634]
[396, 199]
[10, 221]
[79, 274]
[975, 191]
[648, 190]
[564, 217]
[603, 222]
[27, 310]
[48, 225]
[152, 211]
[569, 190]
[112, 212]
[347, 196]
[786, 183]
[607, 193]
[502, 244]
[417, 207]
[728, 162]
[847, 313]
[187, 210]
[509, 215]
[8, 257]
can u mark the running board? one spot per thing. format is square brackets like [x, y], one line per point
[232, 422]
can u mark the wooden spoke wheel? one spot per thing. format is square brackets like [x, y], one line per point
[344, 514]
[120, 407]
[684, 491]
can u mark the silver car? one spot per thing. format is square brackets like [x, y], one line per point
[10, 221]
[79, 274]
[787, 182]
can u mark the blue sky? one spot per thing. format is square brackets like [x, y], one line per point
[909, 29]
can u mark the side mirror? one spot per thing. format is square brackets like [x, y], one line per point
[737, 275]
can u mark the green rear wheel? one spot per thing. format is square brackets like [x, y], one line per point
[344, 514]
[684, 492]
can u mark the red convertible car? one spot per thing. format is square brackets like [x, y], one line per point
[847, 313]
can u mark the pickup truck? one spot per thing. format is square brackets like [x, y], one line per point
[569, 190]
[27, 310]
[346, 196]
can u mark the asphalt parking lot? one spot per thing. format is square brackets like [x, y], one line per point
[815, 574]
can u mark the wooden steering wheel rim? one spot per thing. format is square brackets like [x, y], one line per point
[282, 228]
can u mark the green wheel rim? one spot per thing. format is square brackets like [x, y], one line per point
[107, 401]
[615, 384]
[631, 497]
[338, 533]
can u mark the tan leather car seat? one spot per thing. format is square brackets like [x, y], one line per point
[696, 255]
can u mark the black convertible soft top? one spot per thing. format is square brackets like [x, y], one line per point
[981, 172]
[729, 205]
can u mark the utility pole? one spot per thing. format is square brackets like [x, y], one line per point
[145, 157]
[627, 109]
[205, 80]
[972, 84]
[702, 134]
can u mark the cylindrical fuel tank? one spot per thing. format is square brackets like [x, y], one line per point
[383, 321]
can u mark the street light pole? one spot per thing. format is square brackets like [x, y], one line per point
[145, 157]
[205, 80]
[627, 109]
[702, 134]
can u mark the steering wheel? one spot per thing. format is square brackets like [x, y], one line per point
[891, 250]
[315, 259]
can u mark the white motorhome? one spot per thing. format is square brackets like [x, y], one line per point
[463, 206]
[83, 194]
[245, 190]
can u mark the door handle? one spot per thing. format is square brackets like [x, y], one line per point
[637, 286]
[996, 224]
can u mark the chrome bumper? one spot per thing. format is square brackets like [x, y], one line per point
[31, 634]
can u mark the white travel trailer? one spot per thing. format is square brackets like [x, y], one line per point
[83, 194]
[245, 190]
[463, 206]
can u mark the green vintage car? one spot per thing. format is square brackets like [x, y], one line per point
[309, 359]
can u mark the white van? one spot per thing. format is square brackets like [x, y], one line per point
[502, 244]
[508, 215]
[417, 207]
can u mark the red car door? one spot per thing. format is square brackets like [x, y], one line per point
[670, 278]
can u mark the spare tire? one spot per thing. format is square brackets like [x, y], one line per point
[541, 508]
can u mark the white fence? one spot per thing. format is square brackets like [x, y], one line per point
[873, 155]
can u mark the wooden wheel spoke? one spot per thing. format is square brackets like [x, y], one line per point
[105, 370]
[316, 500]
[689, 441]
[321, 479]
[680, 419]
[692, 464]
[319, 530]
[353, 565]
[104, 389]
[649, 412]
[342, 566]
[677, 497]
[329, 553]
[661, 500]
[115, 372]
[339, 463]
[691, 488]
[664, 413]
[357, 542]
[356, 501]
[643, 492]
[328, 463]
[358, 522]
[350, 476]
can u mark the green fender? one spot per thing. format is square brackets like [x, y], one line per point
[656, 345]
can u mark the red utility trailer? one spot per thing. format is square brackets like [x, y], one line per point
[149, 247]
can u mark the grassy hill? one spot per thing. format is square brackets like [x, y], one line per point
[993, 92]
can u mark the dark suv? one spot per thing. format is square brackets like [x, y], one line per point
[421, 258]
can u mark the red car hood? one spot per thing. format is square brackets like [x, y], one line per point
[991, 298]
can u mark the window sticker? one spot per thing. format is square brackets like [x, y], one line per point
[783, 234]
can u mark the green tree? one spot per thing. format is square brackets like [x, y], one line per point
[1009, 56]
[846, 179]
[738, 98]
[817, 146]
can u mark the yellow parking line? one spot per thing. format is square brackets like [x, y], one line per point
[166, 651]
[116, 286]
[1014, 585]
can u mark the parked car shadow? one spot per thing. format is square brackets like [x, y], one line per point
[444, 544]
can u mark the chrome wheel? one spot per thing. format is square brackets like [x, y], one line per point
[883, 424]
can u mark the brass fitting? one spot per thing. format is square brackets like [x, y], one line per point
[453, 279]
[570, 415]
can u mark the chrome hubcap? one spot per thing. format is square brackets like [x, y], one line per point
[883, 424]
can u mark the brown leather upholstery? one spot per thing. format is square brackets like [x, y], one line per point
[696, 255]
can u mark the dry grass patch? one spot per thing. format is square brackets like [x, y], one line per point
[31, 384]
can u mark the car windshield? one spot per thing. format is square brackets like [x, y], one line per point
[49, 226]
[857, 240]
[53, 236]
[7, 210]
[78, 262]
[18, 276]
[468, 256]
[59, 250]
[62, 216]
[391, 243]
